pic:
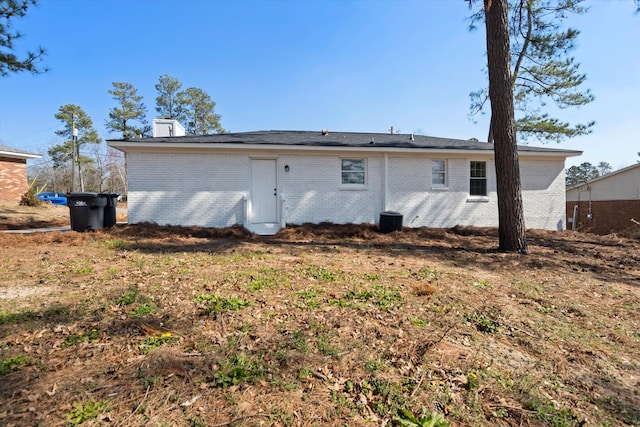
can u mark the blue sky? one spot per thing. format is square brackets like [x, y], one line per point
[344, 65]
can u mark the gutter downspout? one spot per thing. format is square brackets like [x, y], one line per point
[385, 185]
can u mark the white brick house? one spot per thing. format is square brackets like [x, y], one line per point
[264, 180]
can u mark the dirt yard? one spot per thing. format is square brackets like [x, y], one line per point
[317, 326]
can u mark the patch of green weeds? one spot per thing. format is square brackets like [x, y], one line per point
[85, 269]
[197, 421]
[545, 307]
[111, 271]
[309, 298]
[547, 413]
[77, 268]
[235, 339]
[415, 321]
[482, 322]
[267, 278]
[151, 343]
[129, 296]
[633, 306]
[483, 284]
[261, 283]
[388, 396]
[473, 381]
[305, 373]
[56, 312]
[379, 295]
[323, 342]
[371, 277]
[299, 341]
[214, 304]
[20, 317]
[87, 411]
[373, 365]
[143, 310]
[426, 274]
[235, 370]
[320, 273]
[146, 381]
[405, 418]
[117, 244]
[12, 364]
[79, 337]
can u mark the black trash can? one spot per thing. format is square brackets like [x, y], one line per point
[110, 209]
[86, 211]
[390, 221]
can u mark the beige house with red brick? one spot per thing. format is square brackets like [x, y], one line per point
[607, 204]
[13, 174]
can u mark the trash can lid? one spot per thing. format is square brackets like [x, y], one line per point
[82, 194]
[391, 213]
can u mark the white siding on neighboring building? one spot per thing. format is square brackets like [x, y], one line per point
[619, 185]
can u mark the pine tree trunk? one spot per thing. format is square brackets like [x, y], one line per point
[510, 210]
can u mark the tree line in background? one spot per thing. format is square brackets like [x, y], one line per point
[82, 163]
[586, 172]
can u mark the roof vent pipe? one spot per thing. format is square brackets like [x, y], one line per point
[325, 131]
[411, 137]
[373, 141]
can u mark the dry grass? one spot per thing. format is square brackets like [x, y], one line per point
[318, 325]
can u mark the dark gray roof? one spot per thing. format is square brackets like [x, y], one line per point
[16, 152]
[338, 139]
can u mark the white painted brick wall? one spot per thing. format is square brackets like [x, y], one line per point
[313, 192]
[543, 193]
[187, 189]
[411, 194]
[207, 190]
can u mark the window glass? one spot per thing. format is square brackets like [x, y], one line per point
[353, 171]
[438, 173]
[478, 180]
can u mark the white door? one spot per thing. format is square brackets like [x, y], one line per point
[264, 192]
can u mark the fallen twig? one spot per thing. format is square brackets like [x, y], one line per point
[521, 330]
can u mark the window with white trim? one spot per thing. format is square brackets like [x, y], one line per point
[478, 179]
[353, 172]
[438, 173]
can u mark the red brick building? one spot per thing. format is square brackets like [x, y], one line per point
[607, 204]
[13, 174]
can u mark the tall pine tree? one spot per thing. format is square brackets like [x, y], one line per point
[199, 111]
[9, 61]
[510, 210]
[169, 102]
[129, 117]
[543, 72]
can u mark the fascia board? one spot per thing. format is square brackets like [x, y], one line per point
[199, 147]
[13, 155]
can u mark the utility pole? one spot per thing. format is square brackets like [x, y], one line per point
[74, 135]
[75, 131]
